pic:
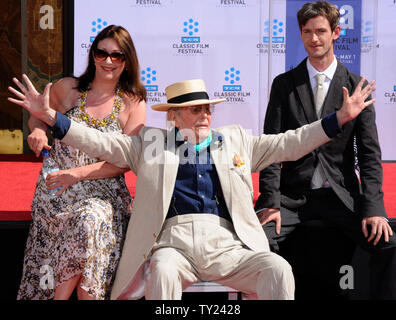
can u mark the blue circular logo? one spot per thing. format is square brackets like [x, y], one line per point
[190, 27]
[148, 75]
[98, 25]
[232, 75]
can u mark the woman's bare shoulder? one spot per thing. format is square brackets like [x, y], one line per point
[64, 94]
[135, 114]
[66, 83]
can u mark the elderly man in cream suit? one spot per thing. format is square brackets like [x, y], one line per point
[193, 217]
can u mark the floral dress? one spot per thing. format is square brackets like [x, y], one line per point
[83, 230]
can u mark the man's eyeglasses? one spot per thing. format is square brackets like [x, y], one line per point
[208, 109]
[102, 55]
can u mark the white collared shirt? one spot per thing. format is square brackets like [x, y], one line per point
[329, 72]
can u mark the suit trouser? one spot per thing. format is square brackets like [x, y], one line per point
[324, 204]
[204, 247]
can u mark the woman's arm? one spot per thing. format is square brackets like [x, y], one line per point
[135, 116]
[66, 178]
[40, 106]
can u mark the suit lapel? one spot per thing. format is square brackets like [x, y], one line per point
[304, 90]
[334, 96]
[171, 165]
[219, 153]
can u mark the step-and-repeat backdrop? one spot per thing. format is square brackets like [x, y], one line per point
[239, 46]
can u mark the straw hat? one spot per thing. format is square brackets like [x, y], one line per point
[186, 94]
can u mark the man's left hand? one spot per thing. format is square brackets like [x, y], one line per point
[354, 104]
[379, 227]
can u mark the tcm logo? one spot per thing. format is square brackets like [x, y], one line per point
[232, 77]
[149, 77]
[97, 26]
[346, 18]
[190, 29]
[278, 31]
[367, 31]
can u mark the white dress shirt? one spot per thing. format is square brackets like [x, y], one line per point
[329, 72]
[318, 179]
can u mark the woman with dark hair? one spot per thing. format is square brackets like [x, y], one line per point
[76, 237]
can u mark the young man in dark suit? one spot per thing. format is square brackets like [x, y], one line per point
[323, 184]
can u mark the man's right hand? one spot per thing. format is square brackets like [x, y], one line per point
[271, 214]
[35, 103]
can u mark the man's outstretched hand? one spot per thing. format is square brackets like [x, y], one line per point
[354, 104]
[35, 103]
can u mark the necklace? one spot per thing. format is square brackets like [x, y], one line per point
[106, 120]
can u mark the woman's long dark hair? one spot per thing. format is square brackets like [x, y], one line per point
[129, 82]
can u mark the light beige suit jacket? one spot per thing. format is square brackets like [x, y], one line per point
[155, 163]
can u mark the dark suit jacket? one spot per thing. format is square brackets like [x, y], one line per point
[291, 105]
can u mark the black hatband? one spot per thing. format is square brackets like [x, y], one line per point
[189, 97]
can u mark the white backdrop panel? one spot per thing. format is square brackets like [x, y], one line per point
[243, 41]
[385, 64]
